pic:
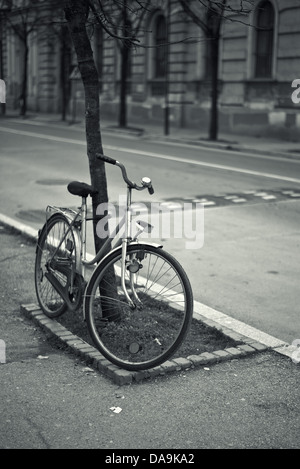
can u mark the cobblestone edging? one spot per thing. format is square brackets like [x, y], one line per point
[120, 376]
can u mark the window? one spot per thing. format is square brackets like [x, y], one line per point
[195, 53]
[264, 44]
[160, 50]
[157, 54]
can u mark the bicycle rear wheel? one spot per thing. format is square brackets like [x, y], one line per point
[56, 262]
[147, 335]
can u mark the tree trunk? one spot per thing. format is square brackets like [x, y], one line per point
[123, 85]
[76, 15]
[213, 127]
[23, 95]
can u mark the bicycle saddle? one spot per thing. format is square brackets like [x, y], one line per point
[81, 188]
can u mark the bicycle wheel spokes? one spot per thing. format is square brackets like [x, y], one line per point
[55, 252]
[148, 334]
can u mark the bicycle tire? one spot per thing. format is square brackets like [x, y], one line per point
[50, 301]
[148, 335]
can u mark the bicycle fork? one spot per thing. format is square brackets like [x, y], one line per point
[125, 240]
[133, 267]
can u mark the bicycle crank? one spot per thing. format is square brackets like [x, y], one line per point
[73, 299]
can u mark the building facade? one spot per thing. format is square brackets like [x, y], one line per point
[259, 59]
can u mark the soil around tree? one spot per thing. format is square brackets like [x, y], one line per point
[200, 337]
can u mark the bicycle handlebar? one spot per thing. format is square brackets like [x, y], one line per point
[106, 159]
[146, 182]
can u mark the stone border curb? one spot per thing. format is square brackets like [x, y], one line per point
[237, 330]
[119, 376]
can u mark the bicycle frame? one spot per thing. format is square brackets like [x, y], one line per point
[136, 288]
[81, 215]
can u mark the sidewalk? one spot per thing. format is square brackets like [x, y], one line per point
[51, 399]
[240, 143]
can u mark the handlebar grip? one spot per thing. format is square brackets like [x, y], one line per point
[106, 159]
[150, 190]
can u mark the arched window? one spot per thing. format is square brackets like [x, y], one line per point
[264, 44]
[157, 54]
[195, 53]
[160, 48]
[124, 57]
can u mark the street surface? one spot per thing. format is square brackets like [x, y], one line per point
[248, 266]
[50, 399]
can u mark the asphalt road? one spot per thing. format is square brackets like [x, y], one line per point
[248, 266]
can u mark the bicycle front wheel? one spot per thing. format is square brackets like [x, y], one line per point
[146, 335]
[55, 255]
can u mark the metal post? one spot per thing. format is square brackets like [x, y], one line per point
[167, 108]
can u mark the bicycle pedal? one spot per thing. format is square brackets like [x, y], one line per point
[62, 260]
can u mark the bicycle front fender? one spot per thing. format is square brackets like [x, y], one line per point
[116, 250]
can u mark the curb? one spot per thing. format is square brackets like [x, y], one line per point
[233, 147]
[238, 148]
[92, 357]
[253, 340]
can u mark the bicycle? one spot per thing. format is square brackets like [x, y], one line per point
[138, 302]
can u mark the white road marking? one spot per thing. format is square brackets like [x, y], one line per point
[237, 201]
[42, 136]
[155, 155]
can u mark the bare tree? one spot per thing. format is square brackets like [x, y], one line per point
[122, 20]
[209, 15]
[24, 17]
[57, 31]
[76, 13]
[78, 16]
